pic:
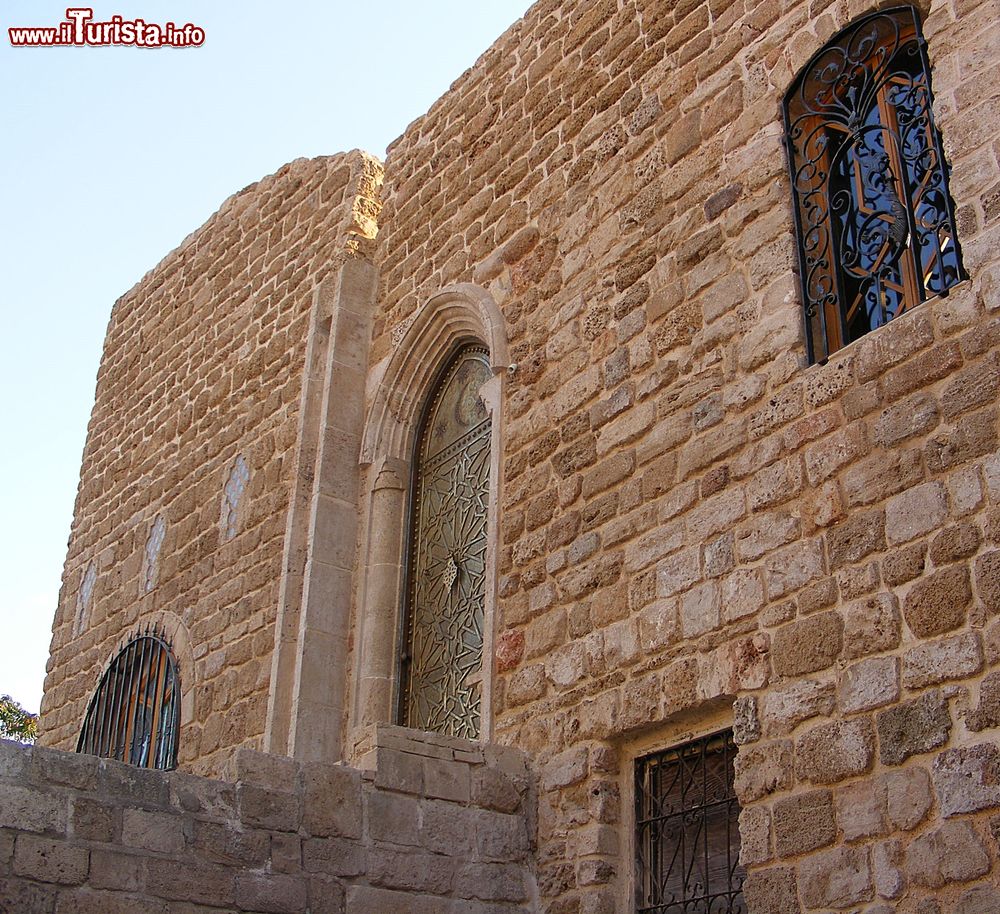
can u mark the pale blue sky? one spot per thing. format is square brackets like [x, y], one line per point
[111, 156]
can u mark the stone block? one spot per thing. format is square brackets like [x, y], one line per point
[755, 836]
[342, 857]
[916, 511]
[988, 580]
[987, 712]
[956, 657]
[133, 786]
[700, 609]
[272, 809]
[362, 899]
[836, 878]
[15, 760]
[392, 818]
[21, 895]
[856, 538]
[492, 789]
[205, 798]
[490, 882]
[868, 684]
[411, 871]
[886, 872]
[803, 822]
[31, 810]
[566, 768]
[117, 871]
[84, 901]
[787, 705]
[50, 861]
[331, 799]
[871, 625]
[772, 890]
[271, 893]
[967, 779]
[447, 780]
[763, 768]
[67, 769]
[226, 842]
[793, 567]
[861, 810]
[913, 727]
[953, 852]
[908, 796]
[958, 541]
[937, 603]
[500, 837]
[204, 883]
[326, 894]
[828, 753]
[983, 899]
[807, 645]
[153, 831]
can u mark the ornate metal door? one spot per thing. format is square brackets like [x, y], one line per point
[443, 643]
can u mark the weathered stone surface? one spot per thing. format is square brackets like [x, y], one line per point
[837, 878]
[861, 810]
[871, 625]
[937, 604]
[913, 727]
[763, 768]
[773, 890]
[785, 706]
[957, 657]
[916, 511]
[967, 779]
[983, 899]
[807, 645]
[908, 796]
[868, 684]
[987, 712]
[803, 822]
[832, 752]
[953, 852]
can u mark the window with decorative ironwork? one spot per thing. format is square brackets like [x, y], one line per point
[874, 218]
[441, 661]
[687, 837]
[133, 716]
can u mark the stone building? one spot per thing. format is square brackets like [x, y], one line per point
[593, 508]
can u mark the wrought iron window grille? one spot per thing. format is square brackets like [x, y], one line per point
[874, 219]
[134, 714]
[687, 837]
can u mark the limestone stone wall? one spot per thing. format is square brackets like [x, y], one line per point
[434, 826]
[203, 362]
[696, 526]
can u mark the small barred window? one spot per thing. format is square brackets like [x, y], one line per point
[874, 217]
[687, 836]
[133, 716]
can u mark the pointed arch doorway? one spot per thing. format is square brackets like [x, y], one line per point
[441, 657]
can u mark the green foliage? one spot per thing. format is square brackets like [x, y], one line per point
[15, 722]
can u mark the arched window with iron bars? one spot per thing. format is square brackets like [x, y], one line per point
[874, 218]
[134, 713]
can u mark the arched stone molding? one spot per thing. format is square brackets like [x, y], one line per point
[456, 315]
[173, 630]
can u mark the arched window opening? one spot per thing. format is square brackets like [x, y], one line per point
[441, 662]
[875, 221]
[133, 716]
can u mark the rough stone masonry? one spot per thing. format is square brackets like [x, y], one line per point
[691, 527]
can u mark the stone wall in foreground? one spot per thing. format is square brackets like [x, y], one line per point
[435, 826]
